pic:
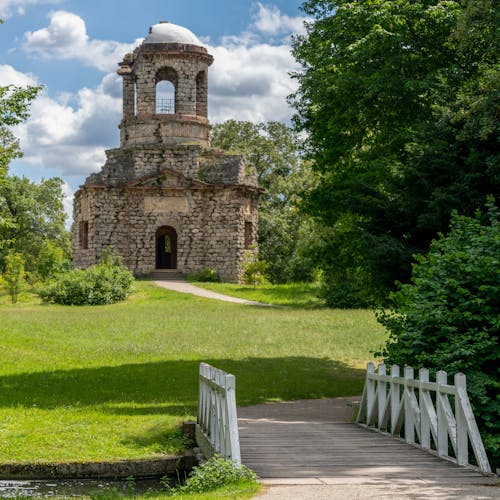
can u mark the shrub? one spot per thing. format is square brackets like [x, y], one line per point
[448, 316]
[13, 277]
[102, 283]
[214, 473]
[254, 270]
[207, 275]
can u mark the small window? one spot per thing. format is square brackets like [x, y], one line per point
[84, 235]
[248, 234]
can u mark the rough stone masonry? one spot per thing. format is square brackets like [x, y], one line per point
[164, 199]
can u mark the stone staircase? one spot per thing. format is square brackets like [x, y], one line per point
[167, 275]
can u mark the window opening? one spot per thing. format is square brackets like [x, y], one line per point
[248, 234]
[165, 97]
[84, 235]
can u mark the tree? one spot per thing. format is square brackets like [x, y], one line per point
[37, 230]
[13, 277]
[448, 316]
[275, 150]
[399, 112]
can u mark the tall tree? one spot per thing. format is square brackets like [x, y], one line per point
[275, 150]
[31, 215]
[390, 97]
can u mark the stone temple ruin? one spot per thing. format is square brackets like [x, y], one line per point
[164, 199]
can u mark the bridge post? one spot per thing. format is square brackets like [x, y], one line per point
[382, 394]
[409, 417]
[425, 424]
[395, 395]
[442, 425]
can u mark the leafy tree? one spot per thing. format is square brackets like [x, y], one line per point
[400, 112]
[13, 277]
[275, 150]
[448, 317]
[37, 228]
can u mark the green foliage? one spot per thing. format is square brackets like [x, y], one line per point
[254, 269]
[13, 277]
[14, 104]
[284, 233]
[448, 317]
[103, 283]
[36, 228]
[207, 275]
[400, 103]
[213, 474]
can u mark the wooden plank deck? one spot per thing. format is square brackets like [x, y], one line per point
[311, 439]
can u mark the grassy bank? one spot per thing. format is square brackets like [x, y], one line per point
[110, 382]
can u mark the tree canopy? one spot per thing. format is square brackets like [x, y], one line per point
[275, 150]
[400, 103]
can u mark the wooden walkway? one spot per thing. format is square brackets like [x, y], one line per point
[314, 439]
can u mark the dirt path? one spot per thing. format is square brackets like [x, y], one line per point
[185, 287]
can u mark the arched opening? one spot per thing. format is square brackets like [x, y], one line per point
[166, 91]
[201, 94]
[166, 248]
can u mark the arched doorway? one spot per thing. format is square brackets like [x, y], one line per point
[166, 248]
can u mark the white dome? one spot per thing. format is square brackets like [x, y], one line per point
[166, 32]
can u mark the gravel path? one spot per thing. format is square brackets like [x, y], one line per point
[185, 287]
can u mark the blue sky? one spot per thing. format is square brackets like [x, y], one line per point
[72, 48]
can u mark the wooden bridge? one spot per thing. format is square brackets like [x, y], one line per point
[316, 441]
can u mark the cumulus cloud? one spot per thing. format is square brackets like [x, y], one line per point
[66, 38]
[10, 76]
[270, 21]
[251, 82]
[9, 8]
[69, 133]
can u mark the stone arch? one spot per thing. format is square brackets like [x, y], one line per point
[166, 83]
[202, 94]
[166, 247]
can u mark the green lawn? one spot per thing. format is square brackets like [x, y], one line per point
[293, 294]
[111, 382]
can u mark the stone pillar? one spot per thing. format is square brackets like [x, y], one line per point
[146, 91]
[202, 94]
[128, 96]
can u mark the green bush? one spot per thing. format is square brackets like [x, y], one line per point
[214, 473]
[448, 317]
[206, 275]
[102, 283]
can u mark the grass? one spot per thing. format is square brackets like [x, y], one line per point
[114, 382]
[293, 294]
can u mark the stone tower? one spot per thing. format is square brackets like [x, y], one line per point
[164, 199]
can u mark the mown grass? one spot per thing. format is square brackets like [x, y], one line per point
[293, 294]
[114, 382]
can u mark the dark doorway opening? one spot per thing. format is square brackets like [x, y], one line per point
[166, 248]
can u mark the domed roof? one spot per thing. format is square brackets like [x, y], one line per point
[166, 32]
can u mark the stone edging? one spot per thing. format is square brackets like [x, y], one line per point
[121, 469]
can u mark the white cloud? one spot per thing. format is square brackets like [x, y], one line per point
[270, 21]
[66, 38]
[251, 82]
[71, 138]
[9, 8]
[10, 76]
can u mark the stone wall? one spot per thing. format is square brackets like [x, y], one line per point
[210, 225]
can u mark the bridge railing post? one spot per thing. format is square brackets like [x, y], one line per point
[217, 425]
[425, 422]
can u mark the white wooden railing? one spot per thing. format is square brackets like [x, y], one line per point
[391, 403]
[217, 425]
